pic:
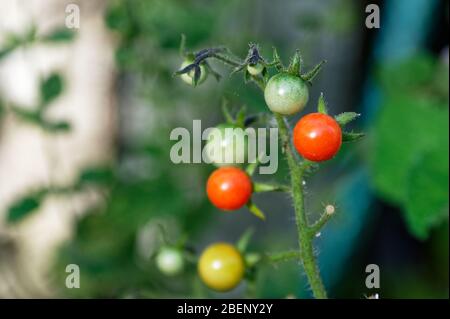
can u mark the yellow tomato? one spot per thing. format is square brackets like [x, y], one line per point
[221, 267]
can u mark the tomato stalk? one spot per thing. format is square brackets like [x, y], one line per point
[303, 229]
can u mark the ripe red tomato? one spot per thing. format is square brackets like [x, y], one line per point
[317, 137]
[229, 188]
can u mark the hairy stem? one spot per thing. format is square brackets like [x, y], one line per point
[304, 239]
[283, 256]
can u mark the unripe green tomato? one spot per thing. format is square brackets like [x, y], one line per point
[222, 146]
[189, 76]
[255, 69]
[286, 94]
[170, 261]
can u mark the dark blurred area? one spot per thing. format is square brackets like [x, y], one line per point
[95, 186]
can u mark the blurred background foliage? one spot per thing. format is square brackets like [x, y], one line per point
[150, 202]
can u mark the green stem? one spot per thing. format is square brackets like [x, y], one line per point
[263, 187]
[304, 239]
[317, 226]
[226, 60]
[283, 256]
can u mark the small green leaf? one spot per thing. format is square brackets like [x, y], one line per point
[309, 76]
[182, 48]
[255, 210]
[56, 127]
[240, 116]
[277, 60]
[296, 64]
[322, 105]
[96, 175]
[5, 51]
[24, 207]
[351, 136]
[226, 112]
[243, 242]
[346, 117]
[247, 76]
[30, 116]
[59, 35]
[51, 87]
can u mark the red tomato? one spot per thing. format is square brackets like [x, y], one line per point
[317, 137]
[229, 188]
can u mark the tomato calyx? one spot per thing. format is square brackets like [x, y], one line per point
[198, 63]
[296, 65]
[253, 65]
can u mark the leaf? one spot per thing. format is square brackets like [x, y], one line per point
[247, 76]
[405, 130]
[56, 127]
[255, 210]
[322, 105]
[5, 51]
[182, 47]
[51, 88]
[295, 66]
[277, 60]
[226, 112]
[309, 76]
[427, 202]
[24, 207]
[244, 240]
[59, 35]
[29, 116]
[351, 136]
[346, 117]
[240, 116]
[96, 175]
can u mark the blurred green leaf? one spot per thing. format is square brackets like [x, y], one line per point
[59, 35]
[24, 206]
[405, 129]
[427, 203]
[56, 127]
[50, 87]
[410, 147]
[96, 175]
[5, 51]
[14, 41]
[30, 116]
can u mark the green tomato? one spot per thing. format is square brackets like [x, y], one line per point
[286, 94]
[255, 69]
[226, 145]
[170, 261]
[189, 77]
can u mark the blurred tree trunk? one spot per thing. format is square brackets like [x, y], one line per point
[29, 157]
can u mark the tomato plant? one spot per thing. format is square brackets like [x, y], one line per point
[317, 137]
[221, 267]
[229, 188]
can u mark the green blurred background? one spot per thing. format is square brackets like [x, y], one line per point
[390, 189]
